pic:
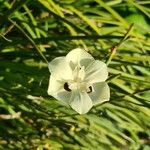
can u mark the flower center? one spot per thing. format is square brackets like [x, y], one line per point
[78, 83]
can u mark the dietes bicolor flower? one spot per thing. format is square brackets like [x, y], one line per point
[78, 80]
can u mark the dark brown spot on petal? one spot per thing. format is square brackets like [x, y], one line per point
[90, 89]
[66, 87]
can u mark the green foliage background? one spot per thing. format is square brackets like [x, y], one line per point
[33, 31]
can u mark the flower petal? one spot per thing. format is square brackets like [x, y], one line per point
[60, 68]
[54, 85]
[100, 93]
[56, 89]
[78, 56]
[80, 102]
[96, 72]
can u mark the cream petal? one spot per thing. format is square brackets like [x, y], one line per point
[54, 85]
[60, 68]
[100, 93]
[96, 72]
[78, 56]
[56, 89]
[80, 102]
[63, 96]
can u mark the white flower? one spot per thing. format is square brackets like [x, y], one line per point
[78, 80]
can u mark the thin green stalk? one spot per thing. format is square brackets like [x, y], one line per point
[30, 39]
[114, 49]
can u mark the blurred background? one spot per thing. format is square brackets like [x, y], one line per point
[33, 32]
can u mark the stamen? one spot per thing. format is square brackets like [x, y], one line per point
[90, 89]
[66, 87]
